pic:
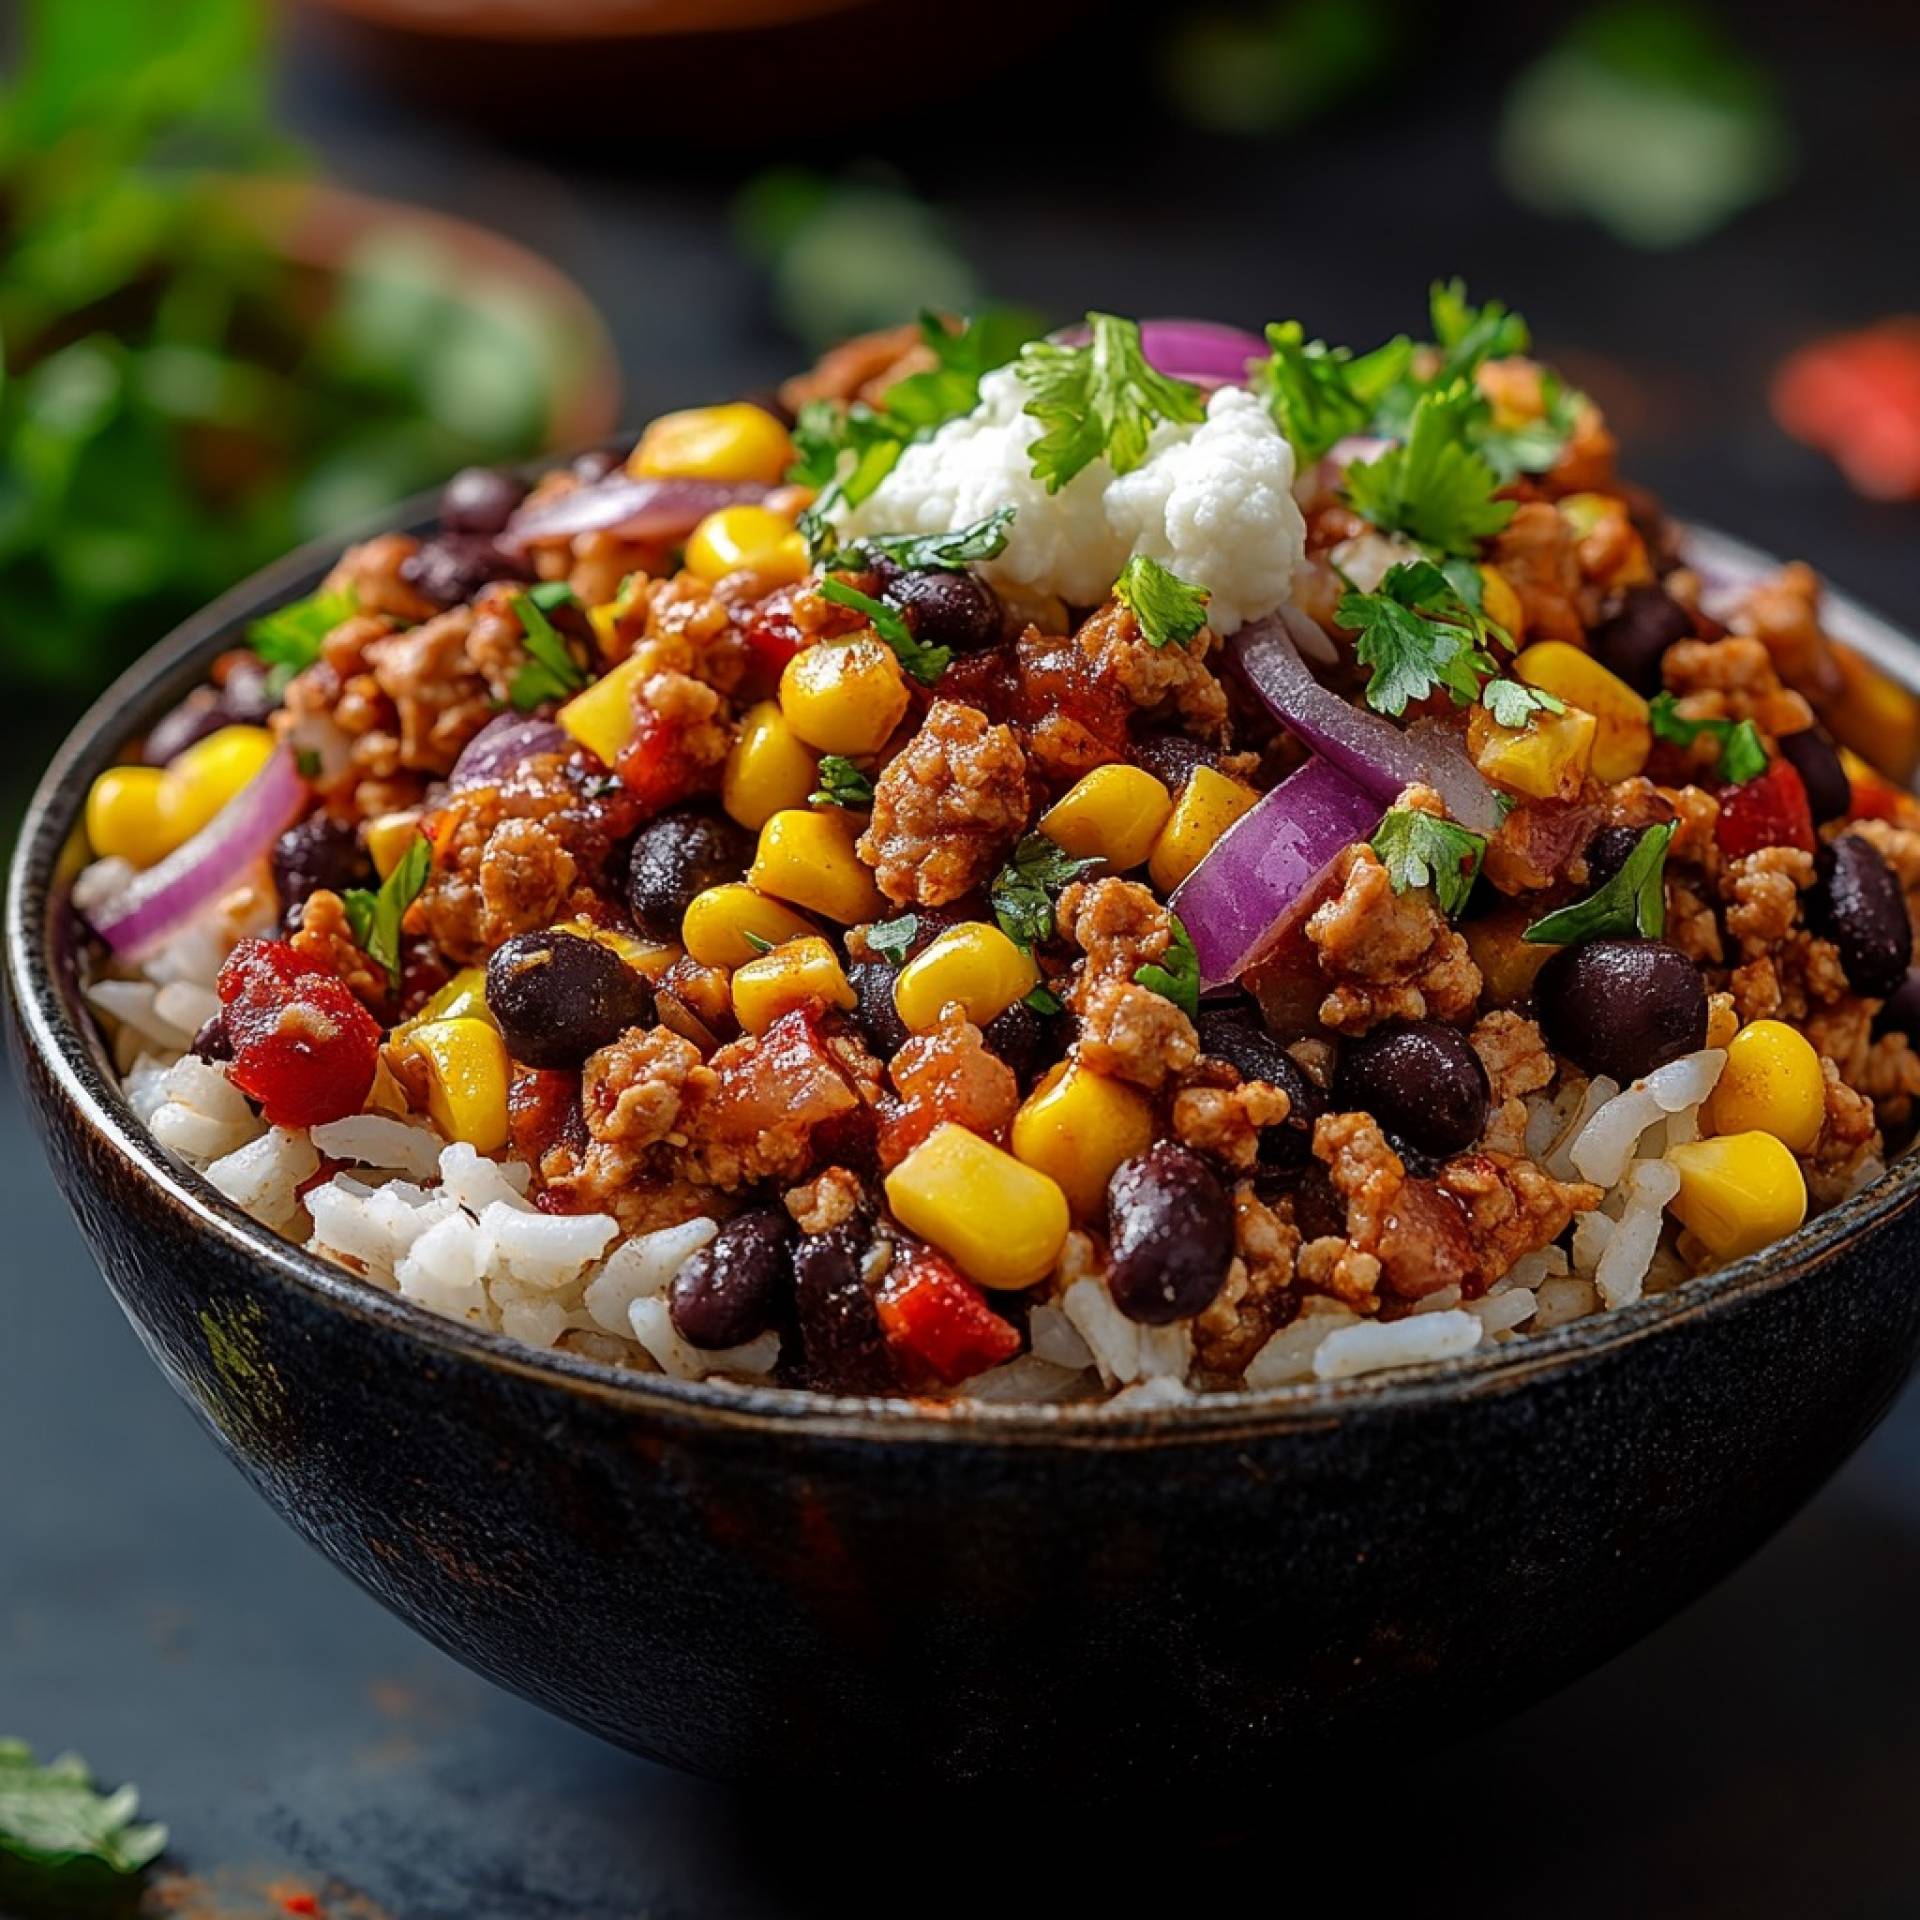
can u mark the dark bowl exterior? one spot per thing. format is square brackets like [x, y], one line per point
[756, 1585]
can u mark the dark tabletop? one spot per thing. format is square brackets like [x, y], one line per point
[1760, 1755]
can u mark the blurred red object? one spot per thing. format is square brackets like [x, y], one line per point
[1856, 396]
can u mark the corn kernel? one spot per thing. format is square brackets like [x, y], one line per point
[721, 925]
[755, 537]
[1875, 715]
[124, 815]
[464, 997]
[388, 836]
[738, 441]
[602, 717]
[1076, 1126]
[1623, 736]
[770, 768]
[1508, 961]
[1739, 1192]
[606, 617]
[1208, 805]
[1501, 604]
[1002, 1223]
[1545, 760]
[807, 857]
[973, 963]
[466, 1080]
[1771, 1082]
[844, 696]
[803, 972]
[1114, 814]
[208, 774]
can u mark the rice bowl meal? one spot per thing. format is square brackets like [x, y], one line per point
[1141, 863]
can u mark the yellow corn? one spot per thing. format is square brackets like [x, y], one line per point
[1545, 760]
[1623, 736]
[755, 537]
[1114, 814]
[803, 972]
[1875, 715]
[1076, 1126]
[1508, 961]
[1739, 1192]
[602, 718]
[1771, 1082]
[207, 775]
[464, 997]
[720, 926]
[844, 696]
[1001, 1223]
[606, 617]
[1208, 805]
[738, 441]
[1501, 604]
[1593, 513]
[973, 963]
[124, 815]
[466, 1079]
[388, 836]
[769, 769]
[807, 857]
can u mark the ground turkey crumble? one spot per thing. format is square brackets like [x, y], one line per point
[1127, 1031]
[1391, 956]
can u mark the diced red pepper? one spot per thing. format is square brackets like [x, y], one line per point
[1856, 396]
[1770, 811]
[1871, 798]
[773, 636]
[303, 1046]
[654, 766]
[935, 1318]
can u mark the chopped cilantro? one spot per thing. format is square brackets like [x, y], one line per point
[1043, 1001]
[951, 386]
[1418, 635]
[936, 552]
[1513, 703]
[926, 664]
[55, 1816]
[1176, 976]
[1319, 394]
[548, 594]
[1100, 401]
[1435, 487]
[842, 784]
[892, 938]
[1468, 335]
[1532, 446]
[374, 918]
[550, 672]
[1023, 891]
[1167, 607]
[290, 636]
[1743, 754]
[1633, 902]
[757, 941]
[308, 763]
[1420, 849]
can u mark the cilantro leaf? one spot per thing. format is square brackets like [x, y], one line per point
[961, 354]
[1100, 401]
[1435, 487]
[1176, 976]
[892, 938]
[548, 594]
[1633, 902]
[1513, 703]
[1319, 394]
[1532, 446]
[549, 672]
[842, 784]
[1023, 891]
[757, 941]
[1167, 608]
[1421, 849]
[926, 664]
[53, 1815]
[936, 552]
[374, 918]
[1044, 1001]
[1743, 755]
[1468, 335]
[1418, 635]
[290, 636]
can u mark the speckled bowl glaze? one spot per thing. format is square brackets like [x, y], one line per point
[765, 1585]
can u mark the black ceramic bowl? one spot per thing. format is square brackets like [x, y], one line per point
[758, 1584]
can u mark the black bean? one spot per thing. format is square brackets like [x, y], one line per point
[1816, 760]
[1421, 1080]
[559, 996]
[734, 1288]
[676, 856]
[452, 567]
[479, 500]
[1607, 852]
[876, 1016]
[1622, 1007]
[1170, 1225]
[213, 1042]
[1901, 1013]
[317, 852]
[1171, 757]
[1237, 1038]
[957, 610]
[1633, 641]
[1017, 1034]
[198, 715]
[842, 1347]
[1856, 902]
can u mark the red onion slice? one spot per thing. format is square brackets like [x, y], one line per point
[1234, 904]
[156, 901]
[635, 508]
[1202, 351]
[500, 746]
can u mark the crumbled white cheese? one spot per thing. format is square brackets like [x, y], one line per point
[1212, 501]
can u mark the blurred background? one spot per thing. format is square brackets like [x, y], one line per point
[266, 269]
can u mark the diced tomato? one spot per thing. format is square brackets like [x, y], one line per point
[543, 1109]
[934, 1317]
[303, 1046]
[1771, 811]
[772, 635]
[653, 765]
[1856, 396]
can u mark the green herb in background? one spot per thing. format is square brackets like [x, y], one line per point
[53, 1816]
[1272, 69]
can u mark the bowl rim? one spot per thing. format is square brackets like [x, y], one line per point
[66, 1047]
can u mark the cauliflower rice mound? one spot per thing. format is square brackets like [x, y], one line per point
[1179, 862]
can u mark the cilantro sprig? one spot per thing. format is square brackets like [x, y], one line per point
[1168, 608]
[374, 917]
[1318, 394]
[1419, 635]
[934, 552]
[926, 664]
[1176, 975]
[1513, 703]
[1100, 401]
[1743, 754]
[1435, 487]
[842, 784]
[1633, 902]
[288, 639]
[1421, 849]
[54, 1815]
[1024, 890]
[550, 672]
[893, 939]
